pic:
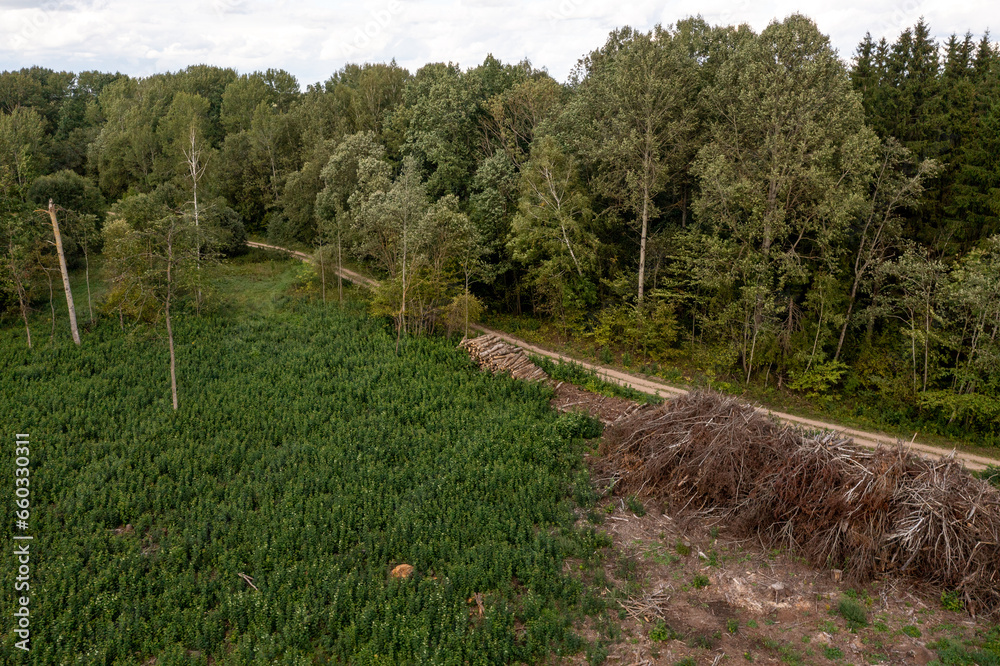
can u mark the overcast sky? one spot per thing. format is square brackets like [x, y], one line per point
[313, 39]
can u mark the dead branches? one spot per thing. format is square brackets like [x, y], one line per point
[868, 512]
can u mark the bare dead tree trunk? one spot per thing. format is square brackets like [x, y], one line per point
[65, 273]
[196, 168]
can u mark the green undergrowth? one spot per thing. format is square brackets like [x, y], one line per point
[982, 650]
[311, 459]
[686, 367]
[991, 474]
[574, 373]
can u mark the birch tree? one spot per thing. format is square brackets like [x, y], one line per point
[151, 256]
[896, 184]
[340, 178]
[551, 234]
[184, 129]
[19, 266]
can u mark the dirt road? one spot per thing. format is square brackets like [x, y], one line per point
[653, 387]
[356, 278]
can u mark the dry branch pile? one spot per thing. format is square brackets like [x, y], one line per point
[493, 354]
[869, 512]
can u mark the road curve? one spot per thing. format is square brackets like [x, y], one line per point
[657, 388]
[356, 278]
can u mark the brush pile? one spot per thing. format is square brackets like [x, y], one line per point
[868, 512]
[493, 354]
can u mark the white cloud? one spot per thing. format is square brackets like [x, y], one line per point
[312, 39]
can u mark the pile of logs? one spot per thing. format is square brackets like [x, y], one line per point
[493, 354]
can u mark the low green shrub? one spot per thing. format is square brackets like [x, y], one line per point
[853, 613]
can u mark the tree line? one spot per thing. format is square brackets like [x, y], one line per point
[747, 203]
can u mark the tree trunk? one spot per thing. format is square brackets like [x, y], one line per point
[86, 263]
[753, 349]
[642, 242]
[322, 272]
[847, 319]
[173, 361]
[22, 296]
[23, 303]
[466, 304]
[340, 270]
[819, 327]
[65, 273]
[402, 307]
[170, 330]
[27, 329]
[684, 215]
[570, 248]
[927, 343]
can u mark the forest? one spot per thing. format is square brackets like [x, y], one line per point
[758, 207]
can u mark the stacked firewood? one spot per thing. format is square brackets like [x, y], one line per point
[493, 354]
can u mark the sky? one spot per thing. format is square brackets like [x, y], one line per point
[313, 39]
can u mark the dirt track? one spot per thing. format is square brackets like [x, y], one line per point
[653, 387]
[356, 278]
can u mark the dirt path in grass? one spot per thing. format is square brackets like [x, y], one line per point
[657, 388]
[347, 274]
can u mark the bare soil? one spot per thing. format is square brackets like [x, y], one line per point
[606, 409]
[687, 589]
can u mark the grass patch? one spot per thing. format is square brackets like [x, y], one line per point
[954, 653]
[574, 373]
[991, 474]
